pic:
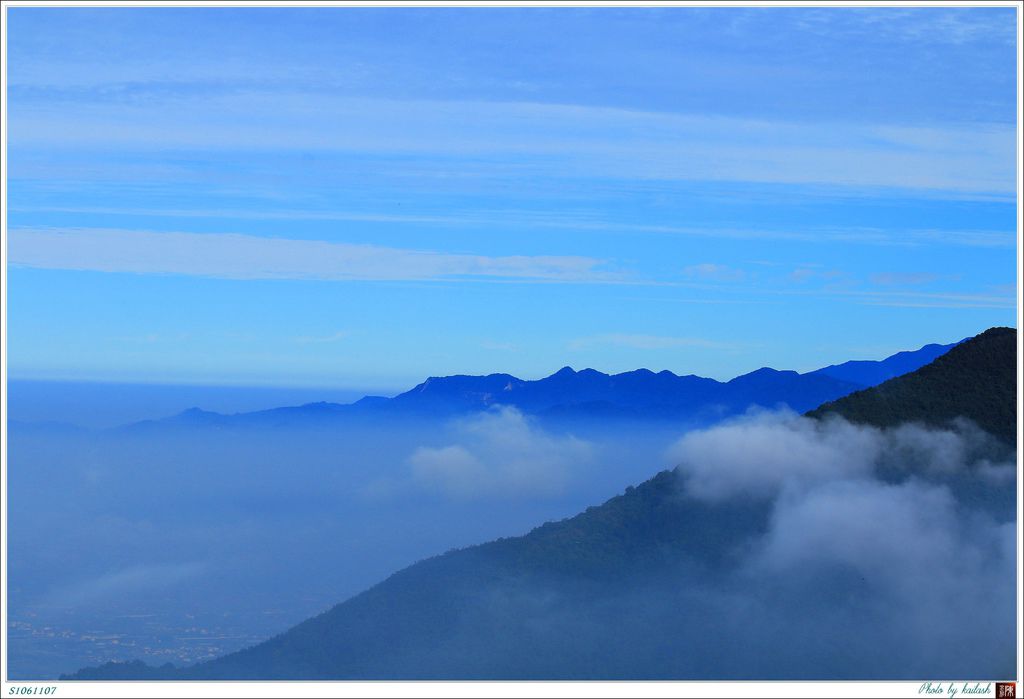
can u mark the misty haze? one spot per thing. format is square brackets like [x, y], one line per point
[511, 343]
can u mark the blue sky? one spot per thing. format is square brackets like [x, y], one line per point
[364, 197]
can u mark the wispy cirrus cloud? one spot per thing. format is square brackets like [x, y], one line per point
[543, 139]
[905, 303]
[322, 339]
[907, 278]
[499, 346]
[644, 342]
[235, 256]
[714, 272]
[919, 299]
[808, 272]
[921, 25]
[567, 221]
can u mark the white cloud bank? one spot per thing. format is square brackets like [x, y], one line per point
[764, 454]
[758, 454]
[500, 453]
[857, 574]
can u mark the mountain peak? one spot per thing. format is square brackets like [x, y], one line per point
[763, 372]
[196, 412]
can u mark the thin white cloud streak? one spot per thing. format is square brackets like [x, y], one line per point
[867, 236]
[498, 346]
[714, 272]
[643, 342]
[234, 256]
[912, 297]
[908, 299]
[924, 25]
[899, 298]
[130, 580]
[545, 139]
[245, 257]
[912, 304]
[333, 337]
[547, 219]
[904, 278]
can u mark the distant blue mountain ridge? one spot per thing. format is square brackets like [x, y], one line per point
[568, 394]
[872, 373]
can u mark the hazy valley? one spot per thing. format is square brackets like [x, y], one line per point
[195, 524]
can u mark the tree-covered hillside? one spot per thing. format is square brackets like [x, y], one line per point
[976, 379]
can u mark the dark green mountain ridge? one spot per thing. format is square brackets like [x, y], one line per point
[976, 379]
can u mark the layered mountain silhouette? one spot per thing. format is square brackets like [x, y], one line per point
[871, 373]
[973, 379]
[638, 587]
[569, 394]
